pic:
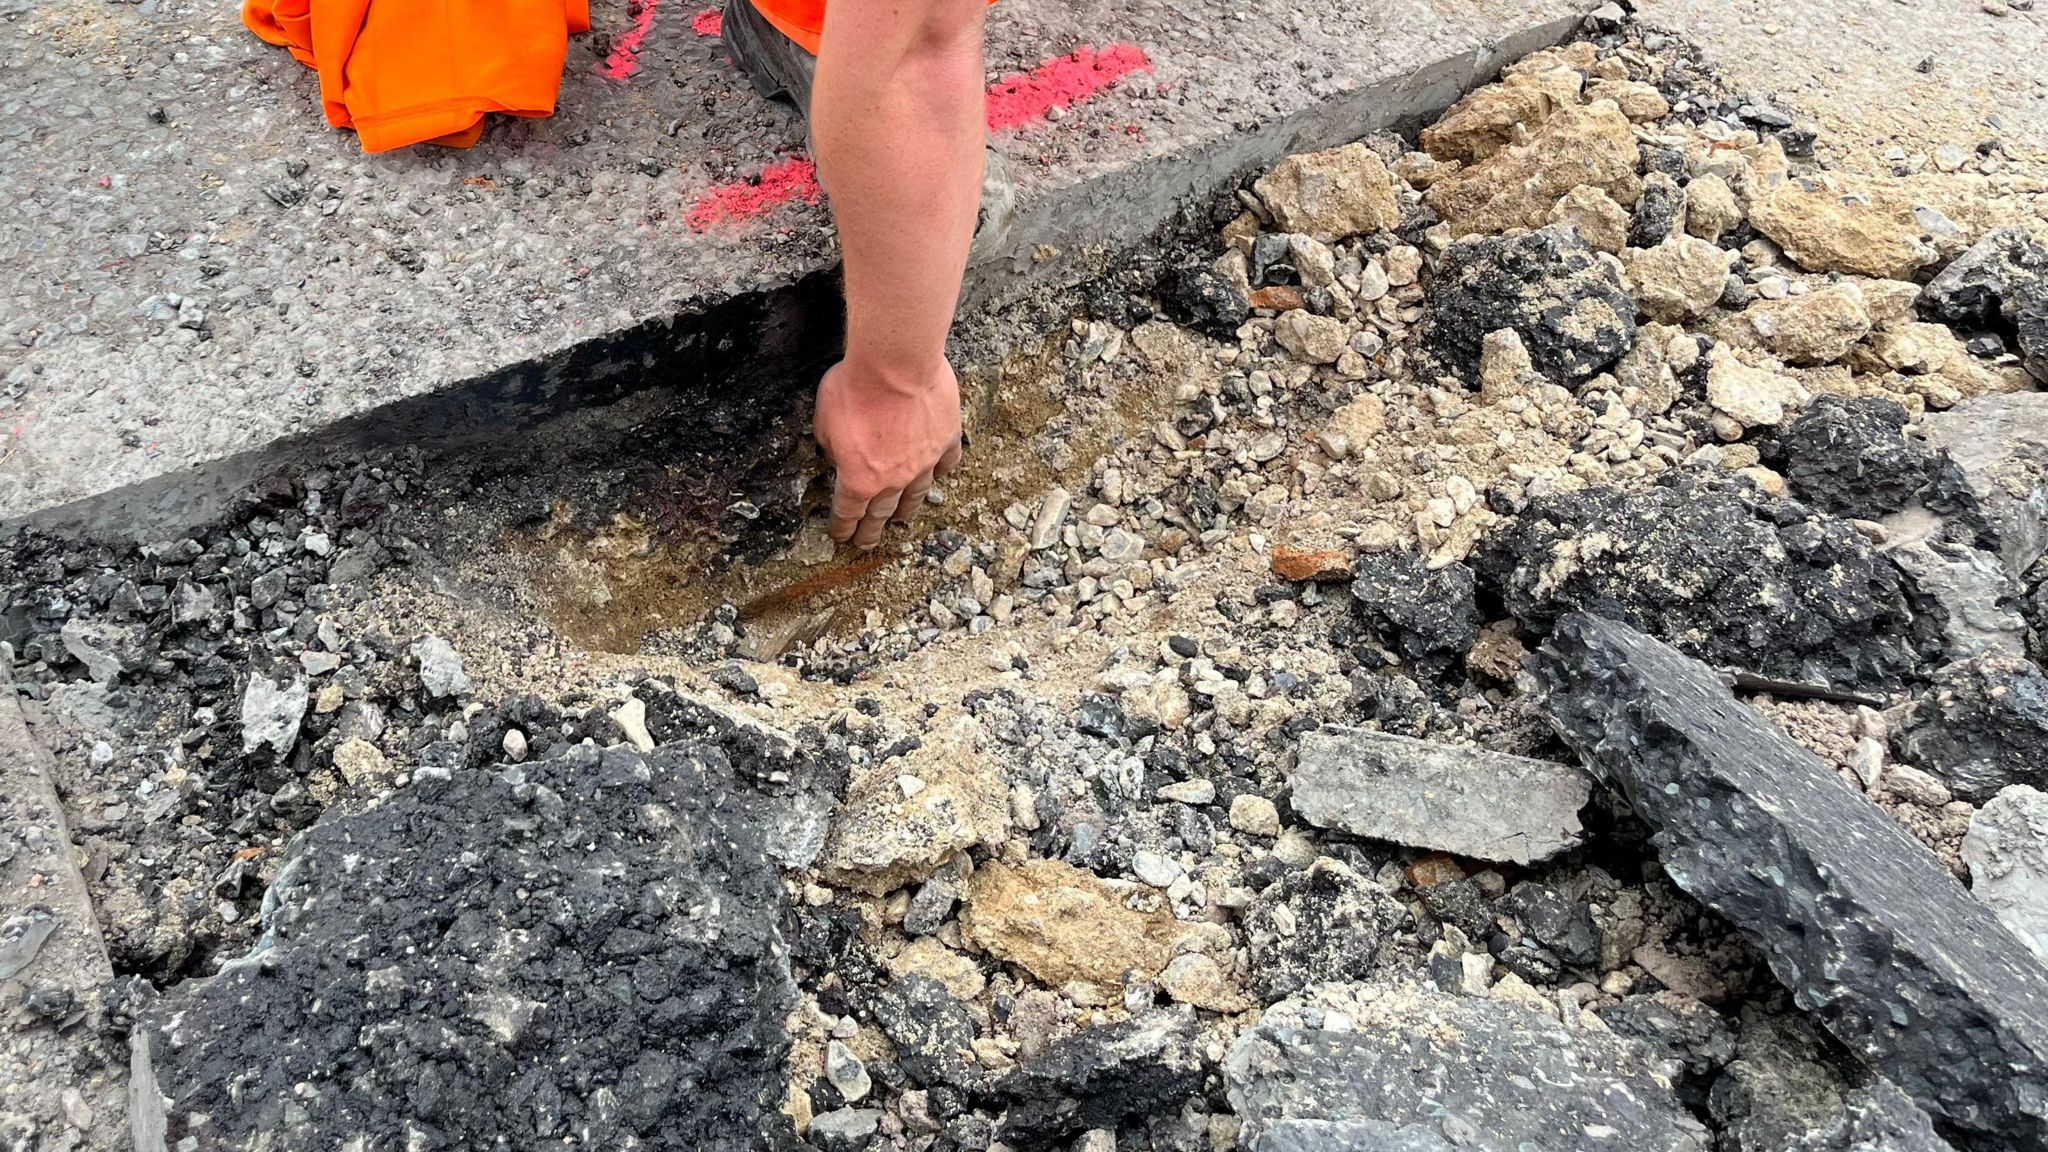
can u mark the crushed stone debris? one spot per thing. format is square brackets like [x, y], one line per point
[1026, 830]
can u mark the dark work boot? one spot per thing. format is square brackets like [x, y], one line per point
[779, 67]
[773, 63]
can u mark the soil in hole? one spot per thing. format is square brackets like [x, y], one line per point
[621, 584]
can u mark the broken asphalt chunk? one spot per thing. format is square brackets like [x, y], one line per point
[1715, 567]
[1439, 796]
[1095, 1077]
[1863, 924]
[586, 947]
[1982, 725]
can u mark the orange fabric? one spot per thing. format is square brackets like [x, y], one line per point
[406, 73]
[800, 20]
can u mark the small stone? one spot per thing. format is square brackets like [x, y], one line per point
[1322, 924]
[1659, 214]
[1750, 395]
[1566, 304]
[1196, 979]
[846, 1072]
[1309, 337]
[1487, 120]
[1679, 279]
[845, 1129]
[1154, 869]
[1196, 792]
[1121, 547]
[191, 603]
[883, 838]
[631, 717]
[1306, 564]
[1818, 327]
[1981, 726]
[1052, 514]
[1517, 186]
[272, 715]
[514, 745]
[1638, 101]
[441, 671]
[1063, 925]
[1711, 209]
[1254, 815]
[1404, 265]
[267, 589]
[1839, 223]
[359, 761]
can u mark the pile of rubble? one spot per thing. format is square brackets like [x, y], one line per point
[1567, 631]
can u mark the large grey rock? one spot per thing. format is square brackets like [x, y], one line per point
[1476, 1074]
[2007, 851]
[1995, 479]
[2000, 284]
[1859, 920]
[1981, 725]
[1963, 599]
[1441, 796]
[585, 949]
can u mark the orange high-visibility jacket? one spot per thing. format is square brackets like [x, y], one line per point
[404, 73]
[800, 20]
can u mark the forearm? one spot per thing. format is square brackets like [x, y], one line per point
[898, 122]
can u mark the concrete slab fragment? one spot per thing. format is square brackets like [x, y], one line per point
[1438, 796]
[203, 279]
[1414, 1063]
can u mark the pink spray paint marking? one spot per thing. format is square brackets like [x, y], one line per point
[709, 22]
[624, 58]
[1016, 101]
[780, 183]
[1025, 98]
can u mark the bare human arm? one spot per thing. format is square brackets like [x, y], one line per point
[897, 122]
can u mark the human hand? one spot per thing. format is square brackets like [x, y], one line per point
[888, 440]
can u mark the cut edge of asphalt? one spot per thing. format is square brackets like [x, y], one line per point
[778, 324]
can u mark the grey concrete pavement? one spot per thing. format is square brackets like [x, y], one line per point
[1883, 74]
[198, 277]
